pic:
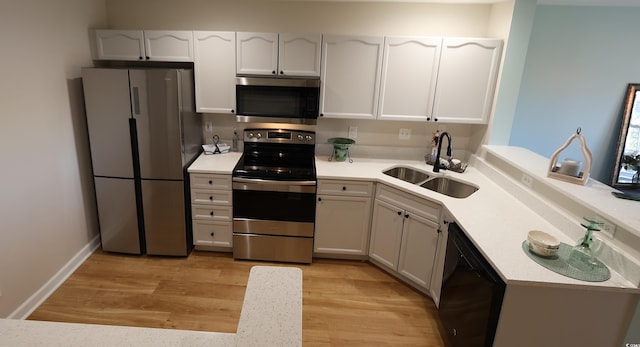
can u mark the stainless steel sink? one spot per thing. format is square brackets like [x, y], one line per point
[407, 174]
[450, 187]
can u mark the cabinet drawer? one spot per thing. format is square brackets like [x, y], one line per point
[211, 181]
[211, 197]
[212, 233]
[409, 202]
[351, 188]
[212, 212]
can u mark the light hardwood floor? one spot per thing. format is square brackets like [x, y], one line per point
[345, 303]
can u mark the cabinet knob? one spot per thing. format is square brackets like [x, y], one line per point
[211, 233]
[406, 215]
[140, 57]
[233, 111]
[445, 221]
[211, 198]
[211, 213]
[344, 188]
[319, 199]
[210, 182]
[147, 58]
[282, 72]
[273, 72]
[428, 118]
[399, 213]
[321, 115]
[435, 119]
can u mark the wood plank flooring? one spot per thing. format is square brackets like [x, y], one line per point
[345, 303]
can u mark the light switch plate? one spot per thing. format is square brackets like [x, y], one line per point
[208, 127]
[404, 134]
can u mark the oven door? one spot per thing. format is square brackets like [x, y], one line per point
[281, 208]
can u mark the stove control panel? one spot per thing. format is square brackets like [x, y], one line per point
[279, 136]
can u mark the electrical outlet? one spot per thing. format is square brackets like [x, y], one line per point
[404, 134]
[208, 127]
[607, 227]
[527, 180]
[353, 132]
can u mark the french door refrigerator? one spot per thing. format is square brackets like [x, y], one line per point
[143, 133]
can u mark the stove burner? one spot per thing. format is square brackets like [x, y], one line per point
[277, 155]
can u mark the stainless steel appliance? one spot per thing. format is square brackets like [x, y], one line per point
[143, 133]
[274, 192]
[279, 100]
[471, 296]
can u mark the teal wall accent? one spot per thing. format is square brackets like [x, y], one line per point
[579, 62]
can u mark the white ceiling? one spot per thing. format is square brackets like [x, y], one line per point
[614, 3]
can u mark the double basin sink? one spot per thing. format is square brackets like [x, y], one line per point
[440, 184]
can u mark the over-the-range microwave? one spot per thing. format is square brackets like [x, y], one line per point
[276, 99]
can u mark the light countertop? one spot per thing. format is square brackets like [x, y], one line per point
[15, 332]
[494, 219]
[271, 316]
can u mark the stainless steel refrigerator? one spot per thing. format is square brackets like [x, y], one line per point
[143, 133]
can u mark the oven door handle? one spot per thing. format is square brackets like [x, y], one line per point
[274, 186]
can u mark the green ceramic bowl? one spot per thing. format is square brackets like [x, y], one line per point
[341, 145]
[341, 142]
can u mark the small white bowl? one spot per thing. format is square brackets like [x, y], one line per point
[541, 251]
[542, 243]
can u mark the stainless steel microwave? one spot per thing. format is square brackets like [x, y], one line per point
[279, 100]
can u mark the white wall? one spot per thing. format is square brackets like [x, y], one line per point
[357, 18]
[46, 207]
[579, 62]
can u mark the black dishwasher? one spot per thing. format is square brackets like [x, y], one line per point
[471, 295]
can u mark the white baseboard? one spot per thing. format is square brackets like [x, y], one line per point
[56, 281]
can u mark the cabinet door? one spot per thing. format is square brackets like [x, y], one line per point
[409, 72]
[466, 80]
[386, 234]
[350, 76]
[176, 45]
[257, 53]
[299, 55]
[418, 249]
[215, 71]
[342, 225]
[119, 44]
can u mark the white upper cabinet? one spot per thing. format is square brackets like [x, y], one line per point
[120, 44]
[257, 53]
[215, 73]
[409, 74]
[168, 45]
[299, 55]
[466, 80]
[152, 45]
[350, 76]
[278, 54]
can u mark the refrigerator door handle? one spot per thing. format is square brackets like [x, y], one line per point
[136, 101]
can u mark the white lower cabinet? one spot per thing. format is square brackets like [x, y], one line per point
[211, 211]
[404, 235]
[343, 213]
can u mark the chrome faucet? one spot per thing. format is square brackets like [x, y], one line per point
[436, 163]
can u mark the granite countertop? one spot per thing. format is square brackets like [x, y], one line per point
[495, 220]
[271, 316]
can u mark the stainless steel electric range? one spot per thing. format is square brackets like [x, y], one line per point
[274, 196]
